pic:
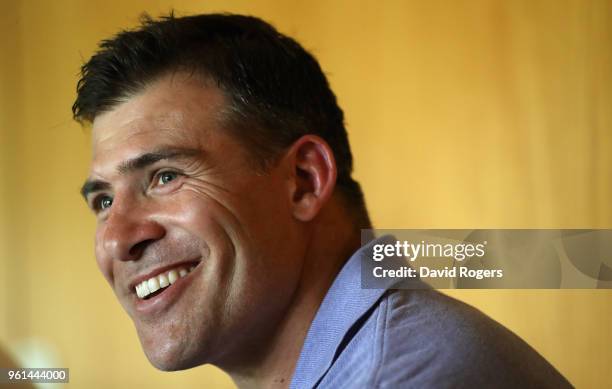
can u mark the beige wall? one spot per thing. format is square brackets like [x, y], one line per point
[469, 114]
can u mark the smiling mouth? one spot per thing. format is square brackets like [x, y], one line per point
[159, 283]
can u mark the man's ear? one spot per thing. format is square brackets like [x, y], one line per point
[313, 176]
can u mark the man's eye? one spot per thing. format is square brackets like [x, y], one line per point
[166, 177]
[103, 202]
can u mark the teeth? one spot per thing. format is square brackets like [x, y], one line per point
[161, 281]
[153, 284]
[172, 276]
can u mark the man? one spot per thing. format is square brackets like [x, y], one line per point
[229, 224]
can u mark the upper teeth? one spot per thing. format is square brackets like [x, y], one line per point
[161, 281]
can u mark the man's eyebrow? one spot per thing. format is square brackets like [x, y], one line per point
[93, 186]
[147, 159]
[138, 163]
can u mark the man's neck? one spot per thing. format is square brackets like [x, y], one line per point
[334, 240]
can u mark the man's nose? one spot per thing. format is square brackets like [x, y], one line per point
[129, 231]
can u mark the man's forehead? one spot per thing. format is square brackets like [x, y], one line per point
[175, 105]
[170, 101]
[118, 139]
[171, 112]
[135, 122]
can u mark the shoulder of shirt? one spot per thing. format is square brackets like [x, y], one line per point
[424, 338]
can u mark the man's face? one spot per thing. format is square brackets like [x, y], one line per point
[172, 190]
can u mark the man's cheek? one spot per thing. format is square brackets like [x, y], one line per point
[107, 271]
[105, 264]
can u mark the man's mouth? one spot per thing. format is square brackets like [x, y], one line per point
[156, 284]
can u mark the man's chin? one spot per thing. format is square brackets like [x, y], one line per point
[167, 360]
[168, 365]
[167, 354]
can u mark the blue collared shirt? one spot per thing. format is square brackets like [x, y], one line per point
[386, 338]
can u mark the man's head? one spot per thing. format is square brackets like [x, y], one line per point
[275, 90]
[217, 145]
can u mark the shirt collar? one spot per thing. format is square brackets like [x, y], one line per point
[345, 302]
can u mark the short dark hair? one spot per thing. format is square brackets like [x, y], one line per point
[276, 90]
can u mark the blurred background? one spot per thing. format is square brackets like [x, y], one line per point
[461, 114]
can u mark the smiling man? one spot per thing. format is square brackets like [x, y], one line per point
[229, 224]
